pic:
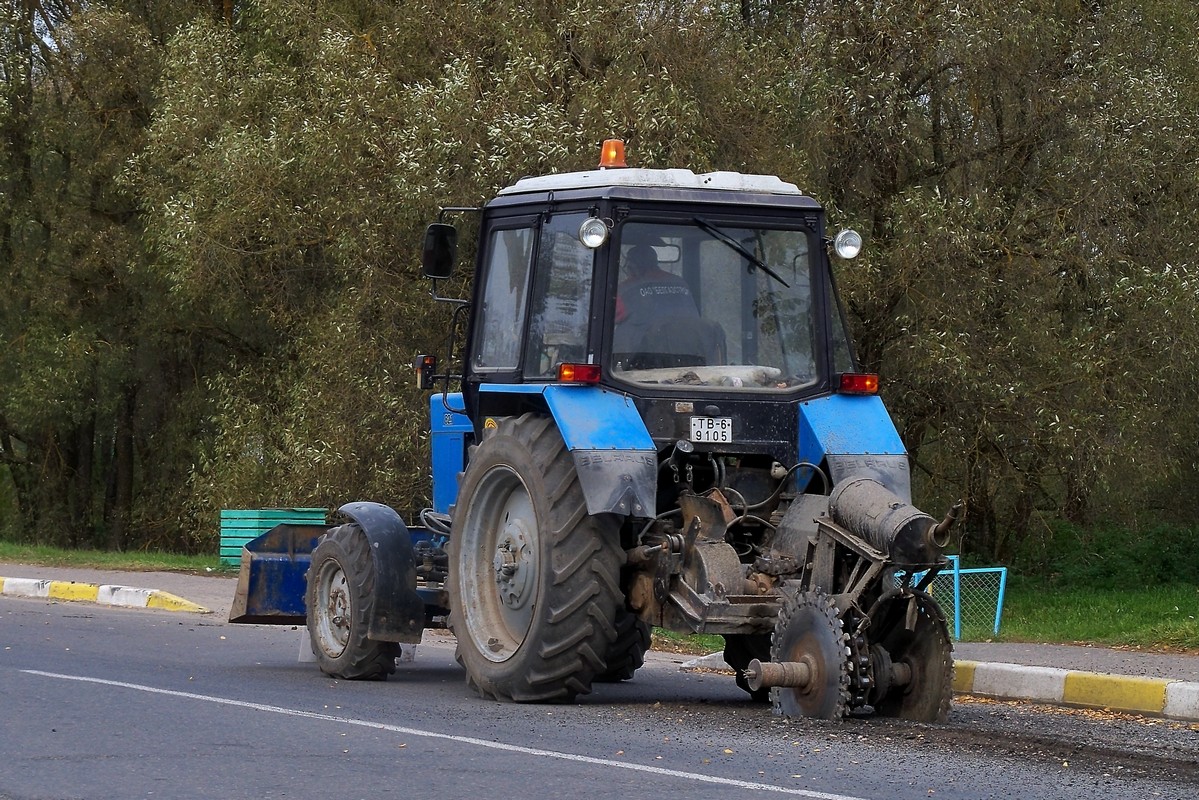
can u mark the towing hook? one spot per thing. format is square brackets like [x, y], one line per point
[938, 535]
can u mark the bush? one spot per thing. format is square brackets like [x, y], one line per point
[1142, 557]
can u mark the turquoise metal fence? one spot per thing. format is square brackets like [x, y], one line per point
[976, 597]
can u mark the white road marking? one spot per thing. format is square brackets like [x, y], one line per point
[509, 748]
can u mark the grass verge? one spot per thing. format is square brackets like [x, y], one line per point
[100, 559]
[665, 641]
[1160, 618]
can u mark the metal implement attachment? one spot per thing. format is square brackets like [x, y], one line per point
[271, 583]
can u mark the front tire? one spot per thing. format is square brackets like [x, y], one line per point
[534, 579]
[339, 601]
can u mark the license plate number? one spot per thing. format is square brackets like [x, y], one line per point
[717, 430]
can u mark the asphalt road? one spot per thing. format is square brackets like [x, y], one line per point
[100, 702]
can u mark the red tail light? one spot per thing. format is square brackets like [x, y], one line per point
[858, 383]
[426, 369]
[578, 373]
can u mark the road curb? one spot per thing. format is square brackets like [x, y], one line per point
[1160, 697]
[101, 594]
[1157, 696]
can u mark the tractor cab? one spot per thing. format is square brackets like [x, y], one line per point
[706, 298]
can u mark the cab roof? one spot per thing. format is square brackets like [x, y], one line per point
[676, 179]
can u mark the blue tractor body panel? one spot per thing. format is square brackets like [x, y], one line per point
[589, 417]
[613, 452]
[855, 435]
[448, 429]
[846, 424]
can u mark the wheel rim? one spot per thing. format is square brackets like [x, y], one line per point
[500, 564]
[333, 610]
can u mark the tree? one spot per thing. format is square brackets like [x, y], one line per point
[296, 157]
[973, 143]
[210, 292]
[93, 375]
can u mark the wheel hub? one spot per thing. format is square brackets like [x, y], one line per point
[333, 613]
[514, 564]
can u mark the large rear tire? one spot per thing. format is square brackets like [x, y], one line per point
[339, 601]
[534, 580]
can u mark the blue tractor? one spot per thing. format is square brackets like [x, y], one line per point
[652, 417]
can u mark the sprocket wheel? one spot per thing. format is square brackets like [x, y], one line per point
[809, 631]
[926, 650]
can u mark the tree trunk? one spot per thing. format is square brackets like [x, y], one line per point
[82, 491]
[980, 522]
[22, 480]
[121, 511]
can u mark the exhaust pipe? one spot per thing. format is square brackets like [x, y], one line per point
[908, 535]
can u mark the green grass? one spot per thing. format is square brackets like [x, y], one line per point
[99, 559]
[671, 642]
[1162, 617]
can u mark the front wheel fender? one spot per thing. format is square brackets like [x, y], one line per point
[399, 612]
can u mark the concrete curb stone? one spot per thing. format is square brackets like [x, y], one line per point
[102, 594]
[1156, 696]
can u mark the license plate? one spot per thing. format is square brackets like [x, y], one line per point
[718, 430]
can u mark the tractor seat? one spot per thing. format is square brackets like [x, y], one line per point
[681, 342]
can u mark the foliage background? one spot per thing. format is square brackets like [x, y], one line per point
[209, 211]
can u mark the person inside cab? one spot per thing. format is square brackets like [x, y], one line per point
[658, 323]
[649, 292]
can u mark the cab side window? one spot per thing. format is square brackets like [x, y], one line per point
[561, 305]
[498, 337]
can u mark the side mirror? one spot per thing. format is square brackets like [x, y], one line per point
[440, 250]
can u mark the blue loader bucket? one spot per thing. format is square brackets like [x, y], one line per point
[272, 582]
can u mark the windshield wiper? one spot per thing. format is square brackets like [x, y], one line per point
[740, 249]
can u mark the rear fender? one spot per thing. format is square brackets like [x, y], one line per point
[399, 611]
[855, 436]
[614, 455]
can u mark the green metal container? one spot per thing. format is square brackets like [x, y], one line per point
[240, 525]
